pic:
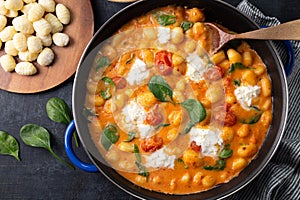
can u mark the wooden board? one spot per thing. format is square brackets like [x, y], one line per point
[80, 30]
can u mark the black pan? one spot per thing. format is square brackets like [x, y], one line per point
[215, 11]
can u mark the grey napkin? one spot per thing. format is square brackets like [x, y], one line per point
[281, 177]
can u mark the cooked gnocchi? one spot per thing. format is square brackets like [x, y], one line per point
[167, 116]
[28, 30]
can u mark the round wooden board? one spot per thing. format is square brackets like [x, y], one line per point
[80, 30]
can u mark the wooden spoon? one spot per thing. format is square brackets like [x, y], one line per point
[286, 31]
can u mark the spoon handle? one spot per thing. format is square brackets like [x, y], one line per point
[286, 31]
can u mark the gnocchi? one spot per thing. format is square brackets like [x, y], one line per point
[25, 68]
[46, 57]
[8, 63]
[60, 39]
[30, 35]
[63, 13]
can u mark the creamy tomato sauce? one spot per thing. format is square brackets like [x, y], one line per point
[167, 116]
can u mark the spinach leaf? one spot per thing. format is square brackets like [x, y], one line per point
[181, 161]
[252, 120]
[195, 110]
[237, 65]
[165, 19]
[9, 145]
[37, 136]
[102, 62]
[161, 125]
[141, 169]
[188, 127]
[108, 80]
[131, 136]
[58, 111]
[106, 94]
[110, 136]
[160, 89]
[220, 165]
[185, 25]
[226, 153]
[237, 82]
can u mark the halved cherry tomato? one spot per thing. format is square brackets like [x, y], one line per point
[154, 118]
[120, 82]
[195, 147]
[225, 115]
[152, 144]
[163, 62]
[213, 73]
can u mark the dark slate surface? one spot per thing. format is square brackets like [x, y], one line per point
[40, 176]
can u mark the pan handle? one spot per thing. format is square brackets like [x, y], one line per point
[288, 66]
[68, 146]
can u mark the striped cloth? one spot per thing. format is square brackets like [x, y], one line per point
[280, 180]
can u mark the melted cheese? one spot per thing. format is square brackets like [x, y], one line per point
[245, 94]
[210, 141]
[160, 159]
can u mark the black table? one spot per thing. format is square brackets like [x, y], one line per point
[40, 176]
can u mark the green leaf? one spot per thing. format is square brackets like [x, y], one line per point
[58, 110]
[130, 59]
[106, 94]
[161, 125]
[165, 19]
[188, 127]
[220, 165]
[226, 153]
[110, 136]
[160, 89]
[9, 145]
[195, 110]
[131, 136]
[141, 169]
[237, 82]
[37, 136]
[108, 80]
[237, 65]
[185, 25]
[252, 120]
[181, 161]
[102, 62]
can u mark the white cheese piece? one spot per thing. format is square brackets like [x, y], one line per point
[160, 159]
[134, 116]
[210, 141]
[138, 72]
[195, 67]
[163, 35]
[134, 113]
[145, 130]
[245, 94]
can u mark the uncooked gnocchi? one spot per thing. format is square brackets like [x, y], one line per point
[46, 57]
[23, 25]
[8, 63]
[28, 29]
[25, 68]
[60, 39]
[49, 5]
[63, 13]
[20, 41]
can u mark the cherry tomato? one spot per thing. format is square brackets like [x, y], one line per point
[154, 118]
[163, 62]
[152, 144]
[225, 115]
[195, 147]
[213, 73]
[120, 82]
